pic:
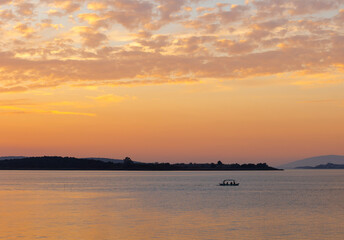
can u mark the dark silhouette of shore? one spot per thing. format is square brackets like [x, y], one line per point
[71, 163]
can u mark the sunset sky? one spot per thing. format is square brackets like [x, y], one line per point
[172, 80]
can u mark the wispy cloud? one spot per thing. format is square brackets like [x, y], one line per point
[111, 98]
[21, 110]
[26, 106]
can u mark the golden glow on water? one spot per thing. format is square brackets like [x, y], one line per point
[129, 205]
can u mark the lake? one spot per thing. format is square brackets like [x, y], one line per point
[70, 205]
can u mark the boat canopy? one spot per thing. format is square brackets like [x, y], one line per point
[229, 180]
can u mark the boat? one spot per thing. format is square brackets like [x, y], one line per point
[229, 182]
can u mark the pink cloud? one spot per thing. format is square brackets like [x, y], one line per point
[5, 1]
[7, 15]
[25, 9]
[92, 38]
[220, 41]
[270, 8]
[131, 13]
[232, 47]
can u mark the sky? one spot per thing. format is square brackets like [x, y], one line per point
[172, 80]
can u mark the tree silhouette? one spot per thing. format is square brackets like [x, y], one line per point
[127, 161]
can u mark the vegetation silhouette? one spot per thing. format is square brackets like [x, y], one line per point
[71, 163]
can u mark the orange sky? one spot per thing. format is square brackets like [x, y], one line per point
[172, 80]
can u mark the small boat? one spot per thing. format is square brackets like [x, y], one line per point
[229, 182]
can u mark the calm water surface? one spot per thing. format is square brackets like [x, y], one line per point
[69, 205]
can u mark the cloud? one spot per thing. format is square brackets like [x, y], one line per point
[7, 15]
[27, 106]
[155, 43]
[97, 6]
[168, 8]
[25, 9]
[232, 47]
[69, 113]
[2, 2]
[110, 98]
[130, 13]
[194, 45]
[236, 13]
[90, 36]
[340, 17]
[271, 8]
[13, 89]
[135, 83]
[22, 110]
[16, 102]
[138, 65]
[133, 42]
[143, 34]
[68, 6]
[210, 20]
[204, 9]
[91, 18]
[25, 29]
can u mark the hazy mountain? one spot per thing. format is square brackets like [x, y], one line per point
[325, 166]
[314, 161]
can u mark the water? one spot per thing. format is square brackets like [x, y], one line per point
[69, 205]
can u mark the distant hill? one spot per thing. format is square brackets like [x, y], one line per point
[325, 166]
[314, 161]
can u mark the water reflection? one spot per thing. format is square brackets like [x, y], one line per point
[173, 205]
